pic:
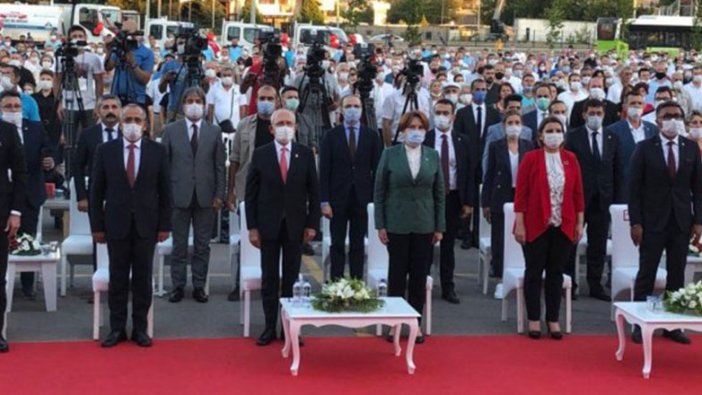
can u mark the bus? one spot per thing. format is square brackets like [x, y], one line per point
[653, 33]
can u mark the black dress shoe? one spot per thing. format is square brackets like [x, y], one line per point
[600, 294]
[534, 334]
[141, 339]
[29, 294]
[176, 295]
[677, 336]
[419, 340]
[307, 249]
[233, 296]
[573, 294]
[4, 347]
[636, 335]
[114, 338]
[556, 335]
[450, 297]
[266, 337]
[199, 295]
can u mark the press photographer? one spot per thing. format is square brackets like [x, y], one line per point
[408, 96]
[366, 71]
[184, 71]
[132, 62]
[270, 71]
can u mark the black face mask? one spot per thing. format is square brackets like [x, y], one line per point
[434, 71]
[660, 76]
[499, 76]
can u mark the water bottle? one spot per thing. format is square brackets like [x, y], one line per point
[306, 293]
[297, 291]
[382, 289]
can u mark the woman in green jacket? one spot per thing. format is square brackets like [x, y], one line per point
[409, 209]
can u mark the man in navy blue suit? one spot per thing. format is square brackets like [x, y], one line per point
[39, 157]
[349, 155]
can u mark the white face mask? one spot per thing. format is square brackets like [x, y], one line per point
[47, 65]
[132, 131]
[513, 130]
[13, 118]
[453, 97]
[442, 122]
[597, 93]
[562, 118]
[193, 111]
[672, 127]
[227, 81]
[6, 83]
[695, 133]
[553, 140]
[284, 134]
[634, 112]
[465, 98]
[575, 86]
[44, 84]
[209, 73]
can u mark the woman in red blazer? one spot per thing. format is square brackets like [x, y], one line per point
[549, 207]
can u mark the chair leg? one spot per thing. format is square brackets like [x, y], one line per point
[484, 272]
[10, 287]
[72, 270]
[150, 320]
[64, 262]
[379, 330]
[241, 305]
[96, 315]
[4, 326]
[505, 306]
[481, 257]
[427, 313]
[207, 283]
[569, 311]
[576, 275]
[161, 263]
[520, 310]
[247, 312]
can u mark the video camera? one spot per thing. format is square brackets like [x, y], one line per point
[269, 39]
[70, 49]
[315, 55]
[413, 72]
[124, 42]
[195, 42]
[366, 67]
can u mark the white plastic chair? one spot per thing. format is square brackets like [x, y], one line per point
[234, 241]
[581, 250]
[625, 257]
[165, 248]
[378, 261]
[250, 276]
[513, 276]
[101, 283]
[79, 240]
[326, 247]
[485, 252]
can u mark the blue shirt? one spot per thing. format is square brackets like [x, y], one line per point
[30, 108]
[653, 86]
[208, 54]
[290, 58]
[177, 85]
[127, 83]
[234, 53]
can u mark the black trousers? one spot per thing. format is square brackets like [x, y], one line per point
[134, 255]
[354, 218]
[550, 251]
[675, 243]
[410, 257]
[447, 256]
[28, 224]
[271, 281]
[597, 221]
[4, 245]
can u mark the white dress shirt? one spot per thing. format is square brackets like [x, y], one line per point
[637, 133]
[514, 166]
[452, 156]
[190, 128]
[414, 157]
[137, 155]
[676, 150]
[105, 136]
[598, 139]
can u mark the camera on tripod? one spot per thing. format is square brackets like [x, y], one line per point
[125, 42]
[269, 39]
[195, 42]
[315, 55]
[413, 72]
[366, 67]
[70, 49]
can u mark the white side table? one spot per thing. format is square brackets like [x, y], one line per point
[637, 313]
[395, 313]
[46, 264]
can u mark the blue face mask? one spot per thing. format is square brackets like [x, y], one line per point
[415, 136]
[265, 107]
[479, 97]
[352, 115]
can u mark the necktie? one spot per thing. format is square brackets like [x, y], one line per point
[595, 148]
[479, 121]
[109, 134]
[352, 141]
[445, 162]
[671, 159]
[131, 174]
[283, 164]
[193, 140]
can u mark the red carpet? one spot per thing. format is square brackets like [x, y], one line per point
[445, 365]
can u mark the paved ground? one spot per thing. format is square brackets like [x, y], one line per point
[477, 313]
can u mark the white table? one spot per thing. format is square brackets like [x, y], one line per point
[638, 313]
[693, 265]
[46, 264]
[395, 312]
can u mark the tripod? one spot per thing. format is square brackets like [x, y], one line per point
[411, 103]
[124, 74]
[367, 104]
[316, 87]
[70, 90]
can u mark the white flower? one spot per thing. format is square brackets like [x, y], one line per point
[692, 304]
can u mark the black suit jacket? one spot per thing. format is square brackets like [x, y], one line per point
[497, 185]
[90, 138]
[465, 166]
[269, 200]
[36, 148]
[114, 203]
[465, 125]
[12, 189]
[338, 173]
[576, 115]
[603, 180]
[654, 196]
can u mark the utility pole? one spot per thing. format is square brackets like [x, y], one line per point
[253, 12]
[158, 9]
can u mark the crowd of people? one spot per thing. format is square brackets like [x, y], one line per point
[563, 135]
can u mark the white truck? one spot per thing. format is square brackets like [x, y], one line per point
[332, 37]
[245, 32]
[40, 21]
[161, 28]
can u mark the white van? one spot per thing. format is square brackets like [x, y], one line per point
[333, 37]
[245, 32]
[161, 28]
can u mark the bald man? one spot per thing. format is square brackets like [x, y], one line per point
[282, 211]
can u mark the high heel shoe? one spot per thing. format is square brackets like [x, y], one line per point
[555, 335]
[535, 335]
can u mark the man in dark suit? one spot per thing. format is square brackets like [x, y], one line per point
[39, 158]
[130, 210]
[596, 89]
[629, 132]
[13, 177]
[348, 157]
[458, 169]
[473, 121]
[107, 129]
[282, 211]
[596, 149]
[665, 205]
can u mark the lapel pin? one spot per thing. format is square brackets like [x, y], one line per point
[297, 156]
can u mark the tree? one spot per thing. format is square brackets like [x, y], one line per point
[246, 13]
[555, 15]
[407, 11]
[356, 12]
[310, 12]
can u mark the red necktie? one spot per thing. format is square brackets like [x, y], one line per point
[131, 174]
[283, 164]
[671, 160]
[445, 162]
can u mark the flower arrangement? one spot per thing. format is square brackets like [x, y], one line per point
[686, 300]
[347, 295]
[25, 244]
